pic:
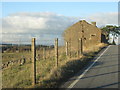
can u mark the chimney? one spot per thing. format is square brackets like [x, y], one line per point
[93, 23]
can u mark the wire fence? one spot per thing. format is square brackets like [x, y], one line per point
[15, 52]
[45, 57]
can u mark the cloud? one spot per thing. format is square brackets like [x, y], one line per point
[102, 19]
[45, 26]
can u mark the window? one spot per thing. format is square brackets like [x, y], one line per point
[93, 35]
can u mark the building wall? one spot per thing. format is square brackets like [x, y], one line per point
[91, 34]
[72, 34]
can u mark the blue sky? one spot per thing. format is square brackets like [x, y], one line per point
[48, 20]
[64, 8]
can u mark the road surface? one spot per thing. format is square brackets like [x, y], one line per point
[100, 73]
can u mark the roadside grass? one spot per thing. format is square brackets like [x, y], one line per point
[68, 69]
[48, 75]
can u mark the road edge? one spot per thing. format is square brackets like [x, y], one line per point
[85, 71]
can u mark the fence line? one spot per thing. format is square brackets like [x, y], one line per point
[47, 52]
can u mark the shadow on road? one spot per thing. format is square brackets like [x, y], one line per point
[105, 66]
[95, 75]
[104, 56]
[100, 74]
[103, 86]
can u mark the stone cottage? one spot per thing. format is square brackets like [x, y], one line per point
[89, 33]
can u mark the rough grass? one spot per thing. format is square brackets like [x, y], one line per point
[14, 56]
[16, 76]
[48, 75]
[68, 69]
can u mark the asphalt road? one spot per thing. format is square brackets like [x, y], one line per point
[102, 74]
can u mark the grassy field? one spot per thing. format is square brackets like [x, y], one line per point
[14, 56]
[19, 76]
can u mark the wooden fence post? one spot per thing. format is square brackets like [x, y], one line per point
[78, 51]
[49, 51]
[66, 48]
[33, 48]
[70, 51]
[56, 51]
[44, 53]
[81, 49]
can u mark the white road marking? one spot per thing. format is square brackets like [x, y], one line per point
[73, 84]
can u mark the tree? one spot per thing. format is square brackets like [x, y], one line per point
[110, 29]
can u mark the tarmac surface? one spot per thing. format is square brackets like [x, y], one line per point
[102, 72]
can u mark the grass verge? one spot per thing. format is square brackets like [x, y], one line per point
[48, 75]
[68, 69]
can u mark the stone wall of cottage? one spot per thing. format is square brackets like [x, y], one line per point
[90, 34]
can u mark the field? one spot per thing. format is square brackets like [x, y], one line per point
[48, 75]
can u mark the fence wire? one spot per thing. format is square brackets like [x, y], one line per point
[19, 55]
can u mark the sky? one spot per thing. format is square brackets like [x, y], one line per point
[64, 8]
[47, 20]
